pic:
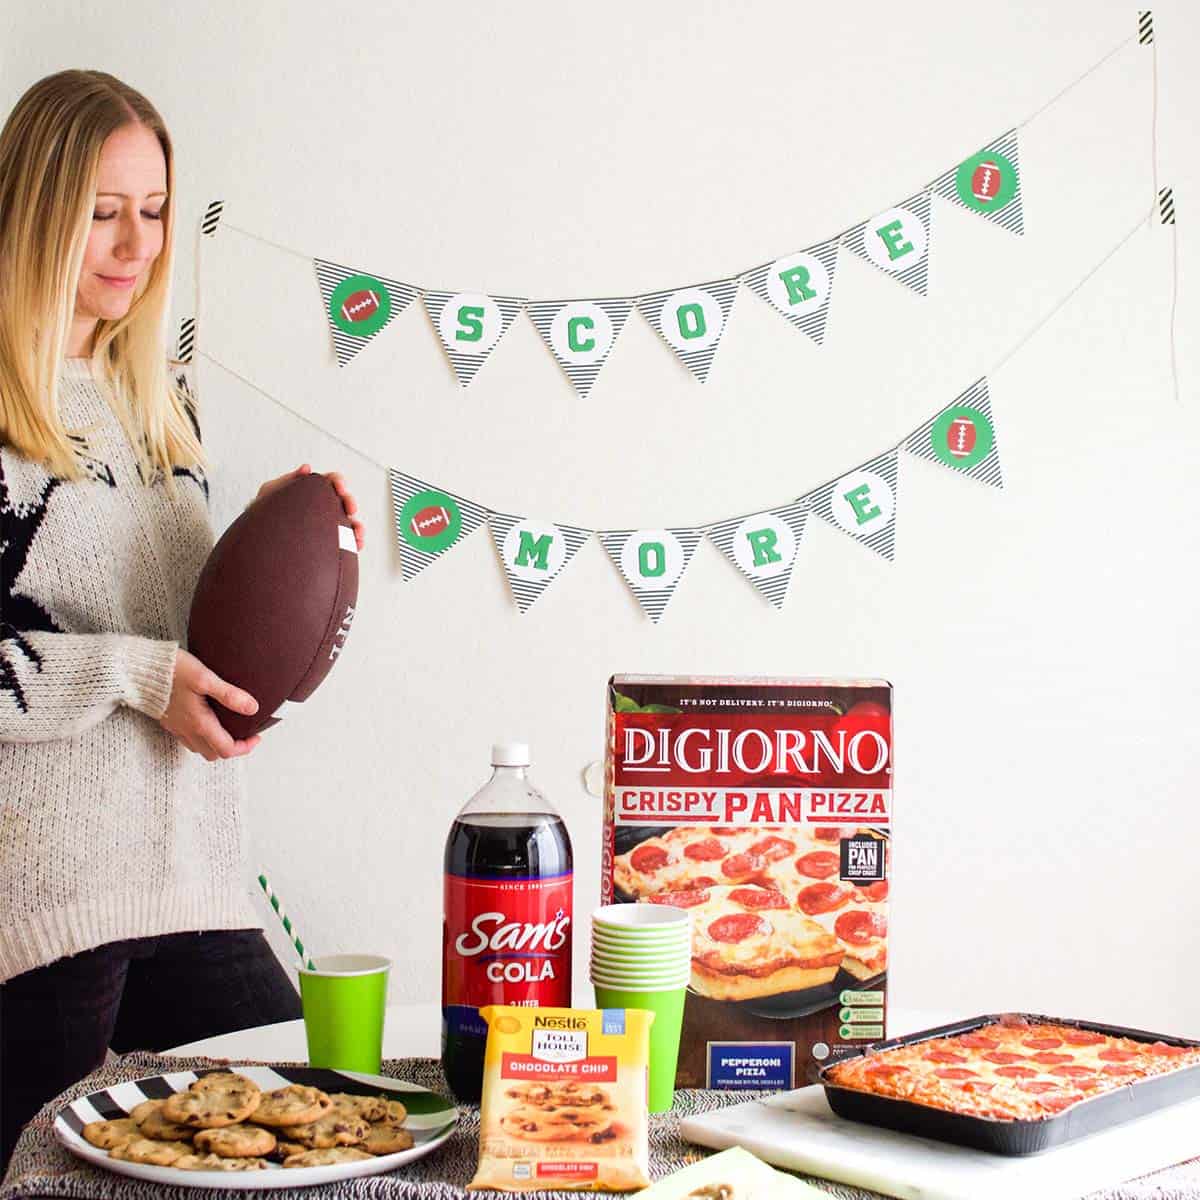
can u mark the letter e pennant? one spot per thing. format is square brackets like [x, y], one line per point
[897, 241]
[862, 503]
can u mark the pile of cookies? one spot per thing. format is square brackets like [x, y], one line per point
[225, 1122]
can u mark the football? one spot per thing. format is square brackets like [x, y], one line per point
[429, 522]
[985, 182]
[960, 437]
[360, 306]
[275, 599]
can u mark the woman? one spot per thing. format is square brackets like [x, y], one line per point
[124, 912]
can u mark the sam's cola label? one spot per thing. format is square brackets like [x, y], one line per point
[507, 942]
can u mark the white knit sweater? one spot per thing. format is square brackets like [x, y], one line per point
[109, 827]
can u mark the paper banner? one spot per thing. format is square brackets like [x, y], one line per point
[358, 305]
[652, 562]
[429, 521]
[580, 334]
[763, 547]
[988, 183]
[800, 286]
[897, 241]
[962, 437]
[691, 320]
[533, 552]
[862, 503]
[469, 324]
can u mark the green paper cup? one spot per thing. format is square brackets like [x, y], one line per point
[667, 1006]
[622, 967]
[636, 921]
[343, 998]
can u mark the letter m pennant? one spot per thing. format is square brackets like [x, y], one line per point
[533, 553]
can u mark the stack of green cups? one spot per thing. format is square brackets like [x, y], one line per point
[642, 958]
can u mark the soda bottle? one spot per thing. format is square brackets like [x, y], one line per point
[506, 932]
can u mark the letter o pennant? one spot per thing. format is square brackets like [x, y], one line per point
[652, 561]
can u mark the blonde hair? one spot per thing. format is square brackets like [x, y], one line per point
[49, 156]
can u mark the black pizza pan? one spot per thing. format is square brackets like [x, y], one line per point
[787, 1006]
[1093, 1115]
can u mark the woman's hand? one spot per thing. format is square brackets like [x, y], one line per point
[339, 486]
[190, 718]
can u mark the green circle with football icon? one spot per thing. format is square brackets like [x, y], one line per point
[986, 181]
[961, 437]
[360, 305]
[430, 521]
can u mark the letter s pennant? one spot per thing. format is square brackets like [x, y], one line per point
[862, 503]
[652, 562]
[469, 325]
[533, 552]
[763, 547]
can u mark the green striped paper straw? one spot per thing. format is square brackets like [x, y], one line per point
[286, 921]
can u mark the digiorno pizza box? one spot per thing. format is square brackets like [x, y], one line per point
[763, 806]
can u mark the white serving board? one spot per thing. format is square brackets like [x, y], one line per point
[797, 1130]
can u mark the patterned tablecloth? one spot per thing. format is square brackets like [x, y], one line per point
[40, 1165]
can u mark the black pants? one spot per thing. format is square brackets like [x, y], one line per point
[57, 1021]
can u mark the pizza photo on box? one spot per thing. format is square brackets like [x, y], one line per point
[772, 920]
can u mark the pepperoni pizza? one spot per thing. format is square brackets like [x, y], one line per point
[785, 920]
[1017, 1072]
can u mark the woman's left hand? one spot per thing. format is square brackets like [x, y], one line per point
[339, 486]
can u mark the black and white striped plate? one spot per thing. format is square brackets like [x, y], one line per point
[431, 1120]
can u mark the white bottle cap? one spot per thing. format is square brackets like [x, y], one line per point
[510, 754]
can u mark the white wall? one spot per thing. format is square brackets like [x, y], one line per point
[1042, 640]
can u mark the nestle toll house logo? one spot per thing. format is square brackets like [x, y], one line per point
[962, 437]
[430, 521]
[360, 305]
[986, 181]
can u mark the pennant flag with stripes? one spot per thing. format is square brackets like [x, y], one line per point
[579, 333]
[800, 286]
[533, 552]
[429, 521]
[469, 324]
[358, 305]
[988, 183]
[212, 217]
[897, 241]
[1145, 28]
[962, 437]
[763, 547]
[652, 562]
[185, 345]
[691, 320]
[862, 503]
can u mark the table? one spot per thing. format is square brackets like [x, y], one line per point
[414, 1031]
